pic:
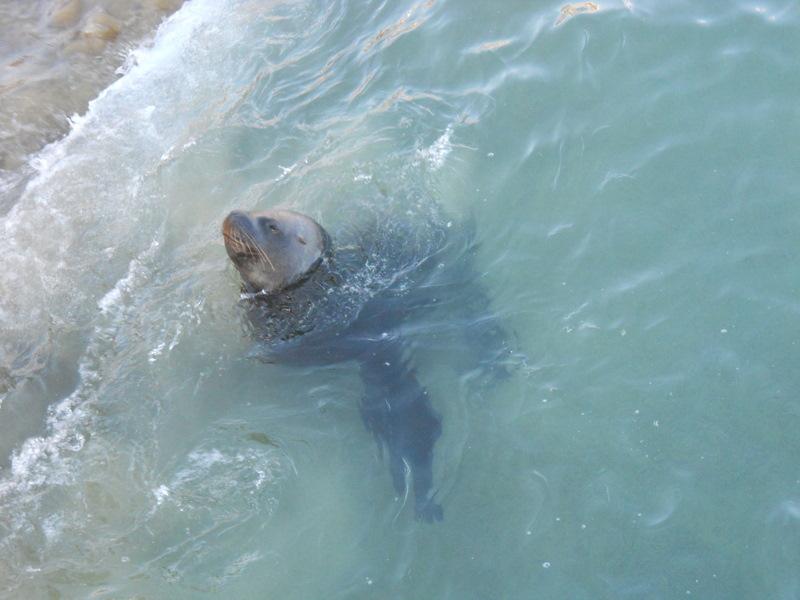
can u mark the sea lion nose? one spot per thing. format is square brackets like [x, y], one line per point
[236, 219]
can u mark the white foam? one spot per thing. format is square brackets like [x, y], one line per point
[153, 355]
[52, 526]
[161, 493]
[43, 459]
[213, 474]
[87, 207]
[144, 63]
[88, 191]
[436, 154]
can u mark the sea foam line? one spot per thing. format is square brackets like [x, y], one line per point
[40, 460]
[170, 38]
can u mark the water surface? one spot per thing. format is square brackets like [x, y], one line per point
[632, 174]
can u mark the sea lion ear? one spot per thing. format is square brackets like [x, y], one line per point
[301, 239]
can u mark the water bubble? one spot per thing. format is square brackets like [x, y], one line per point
[545, 565]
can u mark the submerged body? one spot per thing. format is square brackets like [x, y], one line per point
[312, 302]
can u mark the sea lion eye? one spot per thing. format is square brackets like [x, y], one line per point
[267, 222]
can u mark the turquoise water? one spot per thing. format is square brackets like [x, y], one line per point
[632, 176]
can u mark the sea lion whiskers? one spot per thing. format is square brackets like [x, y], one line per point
[259, 250]
[237, 244]
[244, 241]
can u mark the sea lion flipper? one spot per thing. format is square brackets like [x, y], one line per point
[428, 511]
[397, 411]
[487, 339]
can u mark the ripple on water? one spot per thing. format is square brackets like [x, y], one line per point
[205, 509]
[222, 483]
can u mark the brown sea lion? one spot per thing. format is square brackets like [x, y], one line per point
[311, 302]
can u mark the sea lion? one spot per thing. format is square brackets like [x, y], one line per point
[312, 302]
[275, 249]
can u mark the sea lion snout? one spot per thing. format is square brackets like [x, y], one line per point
[234, 217]
[236, 223]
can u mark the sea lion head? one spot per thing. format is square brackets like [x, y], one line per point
[274, 249]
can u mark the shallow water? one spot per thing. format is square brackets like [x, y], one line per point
[55, 56]
[632, 175]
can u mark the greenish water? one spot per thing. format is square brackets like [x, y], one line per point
[632, 174]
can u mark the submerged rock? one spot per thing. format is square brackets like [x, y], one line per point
[100, 25]
[165, 5]
[65, 13]
[97, 31]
